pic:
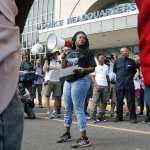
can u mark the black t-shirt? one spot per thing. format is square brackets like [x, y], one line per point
[83, 58]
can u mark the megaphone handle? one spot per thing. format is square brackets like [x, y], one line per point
[68, 43]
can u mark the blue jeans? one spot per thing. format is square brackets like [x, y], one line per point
[74, 97]
[11, 125]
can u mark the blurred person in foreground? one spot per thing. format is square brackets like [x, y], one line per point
[12, 17]
[144, 43]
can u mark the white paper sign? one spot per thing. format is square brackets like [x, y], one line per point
[57, 74]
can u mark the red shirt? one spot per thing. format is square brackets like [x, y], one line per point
[144, 37]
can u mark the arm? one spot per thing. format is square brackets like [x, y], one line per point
[134, 68]
[88, 70]
[95, 83]
[83, 71]
[115, 67]
[54, 68]
[46, 66]
[93, 79]
[108, 79]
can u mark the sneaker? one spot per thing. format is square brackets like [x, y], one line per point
[54, 114]
[50, 115]
[96, 120]
[102, 119]
[88, 117]
[64, 138]
[147, 120]
[81, 142]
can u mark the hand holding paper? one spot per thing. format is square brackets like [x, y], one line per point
[61, 73]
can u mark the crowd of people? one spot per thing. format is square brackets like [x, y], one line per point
[115, 81]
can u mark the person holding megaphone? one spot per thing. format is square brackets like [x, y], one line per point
[76, 87]
[52, 87]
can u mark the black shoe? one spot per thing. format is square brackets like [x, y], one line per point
[140, 114]
[102, 119]
[86, 113]
[81, 142]
[118, 119]
[147, 120]
[64, 138]
[96, 121]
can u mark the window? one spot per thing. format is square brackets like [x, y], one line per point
[40, 15]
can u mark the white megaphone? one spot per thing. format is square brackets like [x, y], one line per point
[54, 42]
[37, 48]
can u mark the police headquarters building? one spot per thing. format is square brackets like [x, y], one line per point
[109, 24]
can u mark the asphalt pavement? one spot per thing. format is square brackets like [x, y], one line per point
[42, 133]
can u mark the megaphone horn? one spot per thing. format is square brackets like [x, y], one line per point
[54, 42]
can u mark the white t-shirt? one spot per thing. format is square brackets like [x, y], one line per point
[100, 75]
[137, 84]
[53, 63]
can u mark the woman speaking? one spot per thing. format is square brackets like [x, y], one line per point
[76, 87]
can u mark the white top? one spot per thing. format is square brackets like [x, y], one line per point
[111, 67]
[53, 63]
[112, 75]
[137, 84]
[100, 75]
[47, 76]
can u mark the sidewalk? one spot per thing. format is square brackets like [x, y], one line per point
[89, 106]
[41, 112]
